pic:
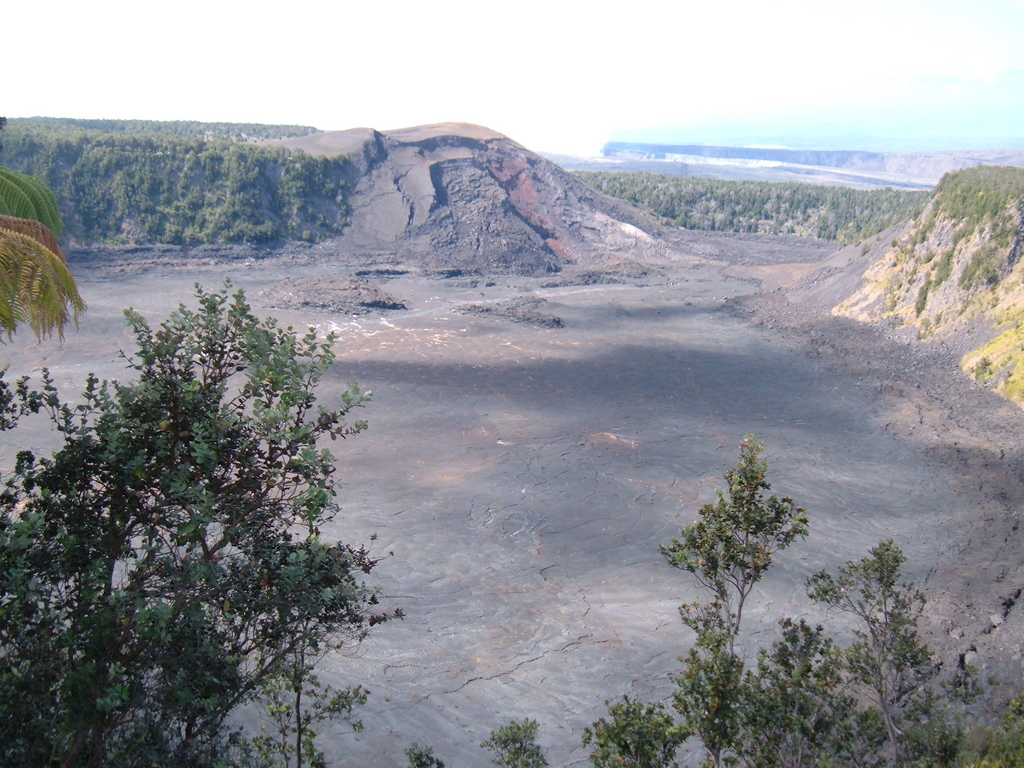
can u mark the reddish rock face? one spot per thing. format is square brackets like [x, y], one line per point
[541, 202]
[463, 197]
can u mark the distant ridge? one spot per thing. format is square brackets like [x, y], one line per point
[853, 168]
[823, 158]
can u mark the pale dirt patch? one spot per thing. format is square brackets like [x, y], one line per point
[773, 276]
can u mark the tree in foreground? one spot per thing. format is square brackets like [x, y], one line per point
[166, 563]
[295, 704]
[731, 546]
[710, 696]
[422, 757]
[887, 662]
[515, 745]
[636, 735]
[798, 713]
[728, 549]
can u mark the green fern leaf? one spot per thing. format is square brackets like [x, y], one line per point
[43, 200]
[36, 287]
[17, 201]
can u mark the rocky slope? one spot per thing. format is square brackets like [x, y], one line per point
[952, 275]
[455, 196]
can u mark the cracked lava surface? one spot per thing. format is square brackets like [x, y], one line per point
[524, 478]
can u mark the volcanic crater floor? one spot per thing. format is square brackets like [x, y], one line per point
[524, 475]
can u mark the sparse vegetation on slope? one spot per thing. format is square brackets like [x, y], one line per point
[181, 183]
[830, 213]
[956, 266]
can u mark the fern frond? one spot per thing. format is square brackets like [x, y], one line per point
[34, 229]
[36, 286]
[17, 201]
[42, 199]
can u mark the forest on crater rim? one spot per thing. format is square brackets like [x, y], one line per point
[190, 183]
[182, 183]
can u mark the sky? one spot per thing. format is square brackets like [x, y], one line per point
[555, 75]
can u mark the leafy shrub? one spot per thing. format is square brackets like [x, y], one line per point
[514, 745]
[165, 563]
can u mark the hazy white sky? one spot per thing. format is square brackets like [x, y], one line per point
[555, 75]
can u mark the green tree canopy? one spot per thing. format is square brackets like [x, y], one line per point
[731, 545]
[813, 210]
[634, 735]
[185, 184]
[728, 549]
[168, 559]
[514, 745]
[887, 661]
